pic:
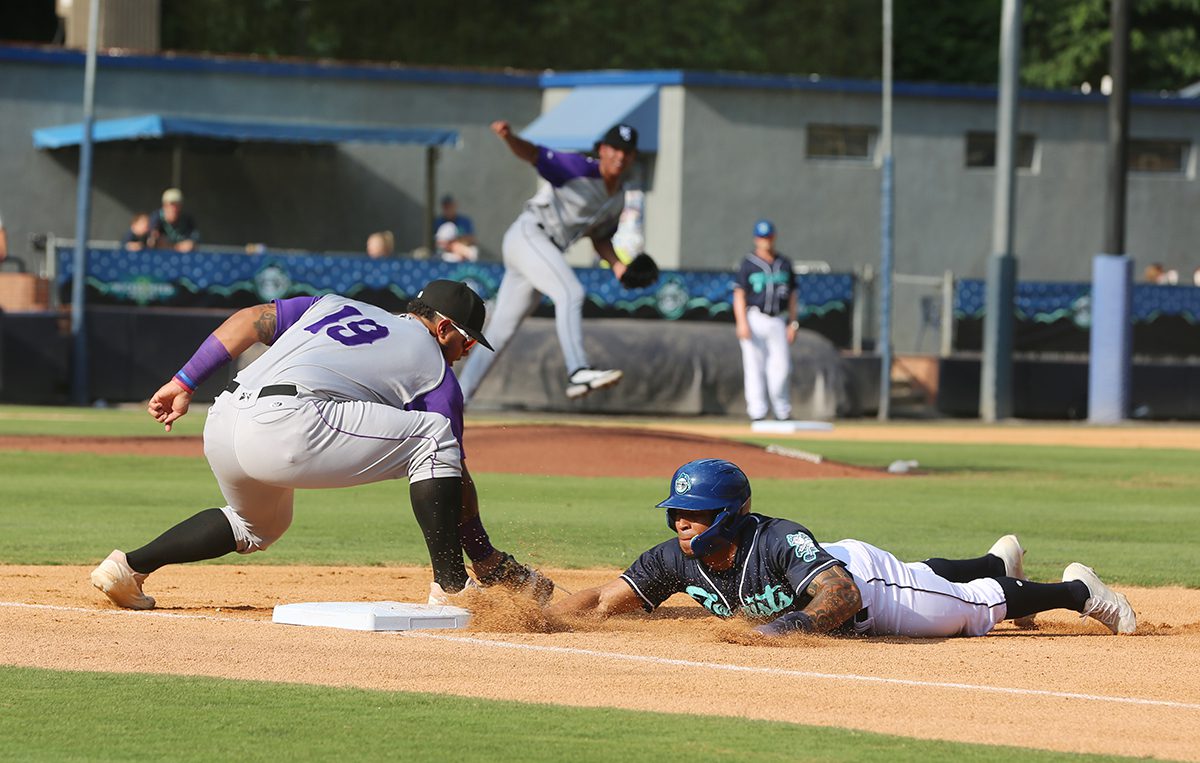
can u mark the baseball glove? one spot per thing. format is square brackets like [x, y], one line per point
[640, 273]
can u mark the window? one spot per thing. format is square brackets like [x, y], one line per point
[839, 141]
[981, 150]
[1158, 155]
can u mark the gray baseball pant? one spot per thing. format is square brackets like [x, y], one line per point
[532, 266]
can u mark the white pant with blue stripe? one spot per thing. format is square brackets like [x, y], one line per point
[909, 599]
[767, 365]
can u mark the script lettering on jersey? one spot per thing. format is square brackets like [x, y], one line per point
[759, 281]
[804, 546]
[340, 328]
[709, 601]
[772, 599]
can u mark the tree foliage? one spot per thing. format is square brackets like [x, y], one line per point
[1065, 41]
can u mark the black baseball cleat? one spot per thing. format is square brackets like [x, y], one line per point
[519, 577]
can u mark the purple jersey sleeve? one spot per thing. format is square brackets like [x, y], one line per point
[288, 311]
[446, 399]
[560, 167]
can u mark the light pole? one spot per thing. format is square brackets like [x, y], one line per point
[83, 215]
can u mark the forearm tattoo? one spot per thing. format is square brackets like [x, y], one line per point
[835, 599]
[264, 323]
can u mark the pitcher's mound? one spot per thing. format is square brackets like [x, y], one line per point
[585, 451]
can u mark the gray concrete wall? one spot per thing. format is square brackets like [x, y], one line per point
[325, 198]
[745, 158]
[728, 155]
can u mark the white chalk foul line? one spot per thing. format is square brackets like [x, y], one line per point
[126, 612]
[719, 666]
[794, 673]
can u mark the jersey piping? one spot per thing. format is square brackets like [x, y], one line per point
[890, 584]
[638, 591]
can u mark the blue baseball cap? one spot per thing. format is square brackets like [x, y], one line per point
[764, 229]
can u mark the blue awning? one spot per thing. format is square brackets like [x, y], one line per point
[582, 118]
[157, 126]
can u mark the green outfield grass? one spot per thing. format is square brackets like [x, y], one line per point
[1131, 513]
[126, 421]
[105, 716]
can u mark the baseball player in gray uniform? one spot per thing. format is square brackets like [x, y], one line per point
[345, 394]
[580, 197]
[765, 308]
[775, 572]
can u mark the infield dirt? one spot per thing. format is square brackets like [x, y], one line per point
[1066, 686]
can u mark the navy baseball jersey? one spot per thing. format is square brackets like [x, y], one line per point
[768, 285]
[776, 560]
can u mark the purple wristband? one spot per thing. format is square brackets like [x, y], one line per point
[211, 356]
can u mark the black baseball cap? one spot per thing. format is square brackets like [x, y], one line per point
[459, 303]
[621, 136]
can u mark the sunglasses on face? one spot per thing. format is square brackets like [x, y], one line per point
[468, 340]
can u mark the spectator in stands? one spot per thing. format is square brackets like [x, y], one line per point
[139, 232]
[453, 246]
[381, 244]
[466, 228]
[171, 227]
[1157, 274]
[1196, 276]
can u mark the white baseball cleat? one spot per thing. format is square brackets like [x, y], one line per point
[117, 580]
[1103, 604]
[1009, 550]
[438, 596]
[585, 380]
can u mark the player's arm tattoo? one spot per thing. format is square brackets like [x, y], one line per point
[835, 599]
[265, 321]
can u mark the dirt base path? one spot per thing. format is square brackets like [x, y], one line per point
[1068, 686]
[578, 451]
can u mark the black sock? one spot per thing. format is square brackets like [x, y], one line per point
[206, 535]
[475, 540]
[437, 504]
[1025, 598]
[966, 570]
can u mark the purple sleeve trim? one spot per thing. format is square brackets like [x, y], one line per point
[288, 311]
[446, 399]
[211, 356]
[559, 167]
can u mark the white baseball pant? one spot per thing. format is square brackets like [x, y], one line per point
[262, 448]
[766, 365]
[909, 599]
[532, 266]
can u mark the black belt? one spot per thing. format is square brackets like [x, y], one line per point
[550, 238]
[862, 615]
[288, 390]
